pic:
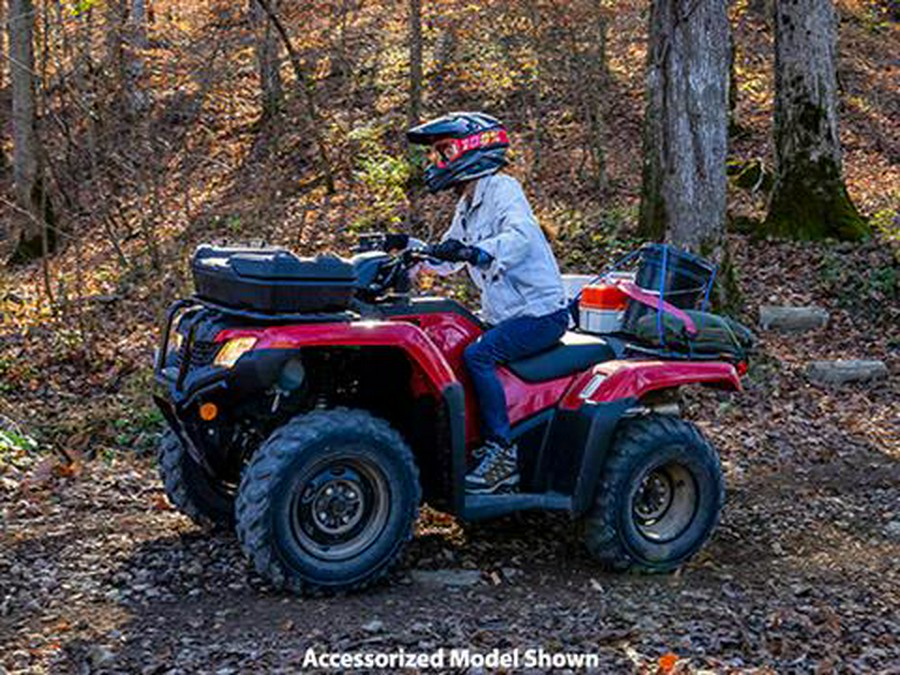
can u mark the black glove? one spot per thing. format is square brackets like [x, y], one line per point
[395, 242]
[453, 250]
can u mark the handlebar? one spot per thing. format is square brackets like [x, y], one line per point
[418, 255]
[401, 245]
[403, 253]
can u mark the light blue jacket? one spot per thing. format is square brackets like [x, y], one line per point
[523, 279]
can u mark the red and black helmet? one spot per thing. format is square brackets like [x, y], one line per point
[464, 146]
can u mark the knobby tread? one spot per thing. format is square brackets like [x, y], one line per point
[634, 440]
[253, 506]
[171, 459]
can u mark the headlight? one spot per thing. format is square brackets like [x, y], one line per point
[233, 350]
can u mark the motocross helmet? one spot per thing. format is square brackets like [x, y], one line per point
[464, 146]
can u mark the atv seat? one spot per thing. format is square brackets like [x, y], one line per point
[574, 352]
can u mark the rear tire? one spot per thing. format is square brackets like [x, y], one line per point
[659, 498]
[328, 502]
[190, 488]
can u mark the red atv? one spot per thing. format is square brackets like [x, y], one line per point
[314, 405]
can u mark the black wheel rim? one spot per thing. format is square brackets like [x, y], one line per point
[340, 509]
[665, 503]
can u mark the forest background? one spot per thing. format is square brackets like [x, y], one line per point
[131, 131]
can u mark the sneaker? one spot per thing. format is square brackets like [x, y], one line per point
[498, 469]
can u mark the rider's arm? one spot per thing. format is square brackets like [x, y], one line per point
[447, 268]
[512, 244]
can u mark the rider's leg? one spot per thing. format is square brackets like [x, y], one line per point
[508, 341]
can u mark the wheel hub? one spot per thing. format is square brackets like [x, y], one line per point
[654, 496]
[338, 506]
[665, 502]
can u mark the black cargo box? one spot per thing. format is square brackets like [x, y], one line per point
[272, 280]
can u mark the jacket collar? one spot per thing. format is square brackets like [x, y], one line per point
[477, 196]
[480, 187]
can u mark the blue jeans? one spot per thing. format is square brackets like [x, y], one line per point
[507, 341]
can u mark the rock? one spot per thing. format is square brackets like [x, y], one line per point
[842, 372]
[99, 655]
[510, 572]
[374, 626]
[792, 319]
[447, 577]
[892, 530]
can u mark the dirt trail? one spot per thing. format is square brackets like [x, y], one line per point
[800, 576]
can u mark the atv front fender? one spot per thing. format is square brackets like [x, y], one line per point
[405, 336]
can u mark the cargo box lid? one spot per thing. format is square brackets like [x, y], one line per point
[276, 264]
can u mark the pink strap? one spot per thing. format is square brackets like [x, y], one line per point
[638, 294]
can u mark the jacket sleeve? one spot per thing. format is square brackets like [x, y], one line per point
[516, 221]
[447, 268]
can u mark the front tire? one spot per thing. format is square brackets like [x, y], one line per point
[190, 489]
[327, 502]
[659, 499]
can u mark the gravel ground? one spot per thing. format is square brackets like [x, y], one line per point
[97, 574]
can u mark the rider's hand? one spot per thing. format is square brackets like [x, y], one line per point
[453, 250]
[395, 242]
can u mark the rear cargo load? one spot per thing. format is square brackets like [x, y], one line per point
[601, 308]
[272, 280]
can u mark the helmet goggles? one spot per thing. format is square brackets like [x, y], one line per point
[447, 150]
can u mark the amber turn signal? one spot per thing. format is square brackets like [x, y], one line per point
[209, 412]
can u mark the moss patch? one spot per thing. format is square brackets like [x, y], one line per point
[810, 201]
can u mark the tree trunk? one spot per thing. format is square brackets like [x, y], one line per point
[415, 61]
[809, 199]
[268, 60]
[594, 97]
[686, 124]
[2, 55]
[139, 22]
[4, 162]
[25, 240]
[535, 21]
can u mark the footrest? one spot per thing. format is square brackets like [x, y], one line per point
[479, 507]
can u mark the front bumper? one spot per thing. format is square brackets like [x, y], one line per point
[186, 379]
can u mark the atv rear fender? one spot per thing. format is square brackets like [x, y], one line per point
[617, 380]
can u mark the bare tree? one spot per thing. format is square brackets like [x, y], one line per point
[809, 199]
[415, 61]
[267, 59]
[307, 86]
[686, 124]
[445, 54]
[588, 81]
[26, 239]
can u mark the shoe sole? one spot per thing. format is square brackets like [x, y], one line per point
[511, 482]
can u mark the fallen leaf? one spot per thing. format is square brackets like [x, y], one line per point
[160, 503]
[667, 663]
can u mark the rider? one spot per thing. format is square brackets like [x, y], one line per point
[495, 235]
